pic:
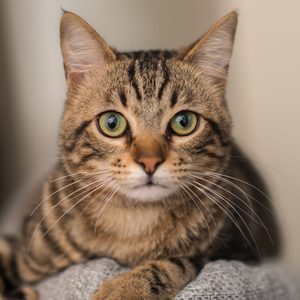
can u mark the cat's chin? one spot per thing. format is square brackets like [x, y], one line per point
[148, 193]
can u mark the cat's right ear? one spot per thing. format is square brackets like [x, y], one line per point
[211, 54]
[83, 49]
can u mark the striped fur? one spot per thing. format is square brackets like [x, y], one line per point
[93, 203]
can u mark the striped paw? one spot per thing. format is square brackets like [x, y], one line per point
[131, 286]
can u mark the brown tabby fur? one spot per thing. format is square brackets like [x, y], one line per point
[86, 208]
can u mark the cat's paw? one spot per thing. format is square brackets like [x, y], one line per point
[127, 287]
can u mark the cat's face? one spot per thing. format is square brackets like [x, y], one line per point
[145, 124]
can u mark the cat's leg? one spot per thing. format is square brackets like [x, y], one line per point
[11, 279]
[152, 280]
[45, 244]
[21, 265]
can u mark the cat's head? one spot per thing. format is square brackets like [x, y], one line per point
[145, 124]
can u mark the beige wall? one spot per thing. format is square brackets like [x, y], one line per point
[263, 92]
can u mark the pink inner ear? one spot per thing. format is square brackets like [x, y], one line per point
[74, 78]
[211, 54]
[82, 48]
[82, 51]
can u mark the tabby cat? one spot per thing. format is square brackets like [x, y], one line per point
[149, 174]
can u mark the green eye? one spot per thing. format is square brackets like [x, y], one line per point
[184, 123]
[112, 124]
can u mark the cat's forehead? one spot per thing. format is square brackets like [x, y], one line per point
[154, 80]
[148, 72]
[147, 84]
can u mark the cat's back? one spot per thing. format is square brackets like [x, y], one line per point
[255, 200]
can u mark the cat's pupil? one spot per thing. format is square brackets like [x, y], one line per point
[183, 120]
[112, 122]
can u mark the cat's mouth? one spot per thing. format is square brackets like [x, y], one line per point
[150, 188]
[148, 191]
[150, 184]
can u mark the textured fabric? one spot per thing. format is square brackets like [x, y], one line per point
[221, 280]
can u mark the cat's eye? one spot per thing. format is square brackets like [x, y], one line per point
[112, 124]
[184, 123]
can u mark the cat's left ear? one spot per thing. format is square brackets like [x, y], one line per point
[83, 49]
[211, 54]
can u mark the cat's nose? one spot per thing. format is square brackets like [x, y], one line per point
[149, 151]
[150, 163]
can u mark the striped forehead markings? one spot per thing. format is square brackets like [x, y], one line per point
[133, 80]
[147, 84]
[166, 79]
[123, 98]
[174, 98]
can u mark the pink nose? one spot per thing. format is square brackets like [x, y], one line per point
[149, 163]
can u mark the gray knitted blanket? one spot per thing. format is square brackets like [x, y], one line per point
[219, 280]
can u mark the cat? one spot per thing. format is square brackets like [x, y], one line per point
[149, 173]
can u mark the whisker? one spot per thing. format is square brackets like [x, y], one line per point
[57, 191]
[57, 204]
[227, 201]
[221, 187]
[184, 202]
[182, 197]
[105, 187]
[259, 222]
[207, 225]
[242, 181]
[227, 212]
[69, 209]
[201, 202]
[247, 195]
[102, 210]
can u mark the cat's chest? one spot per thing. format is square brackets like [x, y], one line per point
[119, 229]
[133, 235]
[129, 236]
[130, 223]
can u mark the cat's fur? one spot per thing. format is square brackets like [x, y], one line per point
[88, 206]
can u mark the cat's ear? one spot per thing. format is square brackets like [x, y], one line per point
[211, 54]
[83, 49]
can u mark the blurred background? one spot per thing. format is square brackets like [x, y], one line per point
[263, 92]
